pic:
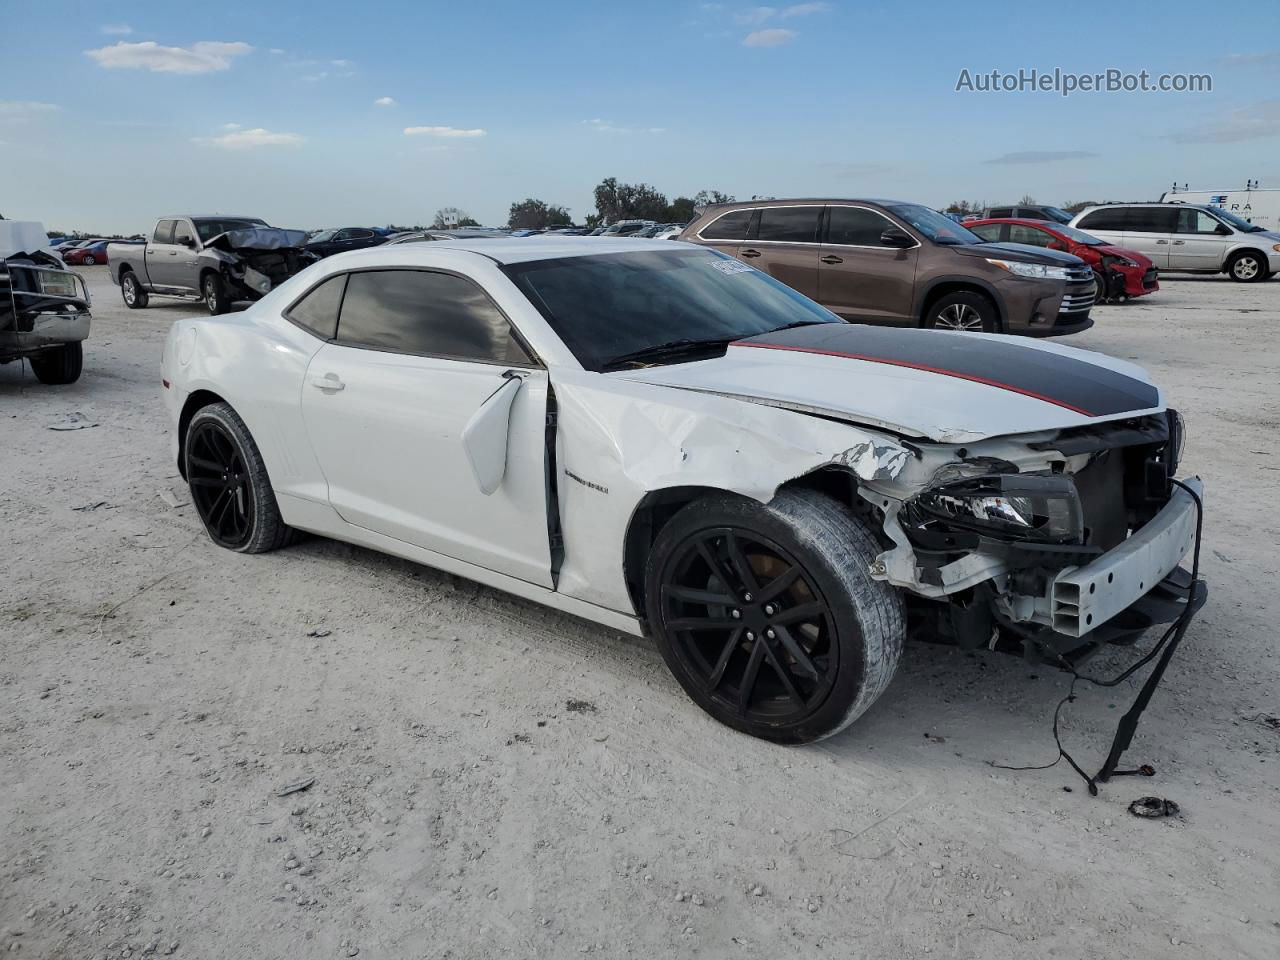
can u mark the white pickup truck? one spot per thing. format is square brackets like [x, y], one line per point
[217, 259]
[44, 307]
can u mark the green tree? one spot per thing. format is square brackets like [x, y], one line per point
[680, 210]
[705, 198]
[628, 201]
[447, 217]
[537, 215]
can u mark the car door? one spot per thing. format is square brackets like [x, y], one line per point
[428, 418]
[1199, 241]
[786, 246]
[1149, 230]
[860, 277]
[990, 232]
[1031, 236]
[183, 260]
[162, 256]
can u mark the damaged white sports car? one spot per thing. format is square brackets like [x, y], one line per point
[662, 439]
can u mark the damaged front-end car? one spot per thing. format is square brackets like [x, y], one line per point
[255, 260]
[44, 307]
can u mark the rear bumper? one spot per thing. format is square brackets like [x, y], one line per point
[1085, 598]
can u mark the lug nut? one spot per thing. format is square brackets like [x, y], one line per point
[769, 608]
[769, 633]
[750, 635]
[735, 614]
[746, 598]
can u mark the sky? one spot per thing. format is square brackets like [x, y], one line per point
[339, 114]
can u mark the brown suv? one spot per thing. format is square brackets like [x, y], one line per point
[881, 261]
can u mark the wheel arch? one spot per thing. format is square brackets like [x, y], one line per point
[1242, 251]
[656, 508]
[944, 286]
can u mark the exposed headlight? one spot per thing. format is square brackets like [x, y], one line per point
[1005, 506]
[1037, 270]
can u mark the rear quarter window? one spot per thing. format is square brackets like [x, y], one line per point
[317, 311]
[731, 226]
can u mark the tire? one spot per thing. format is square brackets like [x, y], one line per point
[838, 636]
[966, 311]
[135, 298]
[1100, 287]
[229, 484]
[59, 366]
[1248, 266]
[213, 290]
[88, 260]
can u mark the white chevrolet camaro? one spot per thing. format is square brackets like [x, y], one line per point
[659, 438]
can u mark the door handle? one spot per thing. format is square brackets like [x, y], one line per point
[329, 382]
[1178, 243]
[750, 253]
[829, 258]
[1162, 241]
[173, 253]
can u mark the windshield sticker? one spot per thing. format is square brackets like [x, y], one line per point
[732, 266]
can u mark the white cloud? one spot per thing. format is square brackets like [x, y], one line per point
[443, 132]
[275, 50]
[341, 63]
[769, 38]
[804, 9]
[25, 108]
[608, 126]
[239, 139]
[755, 14]
[116, 29]
[1250, 59]
[384, 102]
[231, 126]
[206, 56]
[1257, 122]
[1042, 156]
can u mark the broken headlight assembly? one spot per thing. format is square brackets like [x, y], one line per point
[1045, 509]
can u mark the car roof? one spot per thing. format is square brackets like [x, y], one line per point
[514, 250]
[208, 216]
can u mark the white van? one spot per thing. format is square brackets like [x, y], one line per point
[1186, 238]
[1260, 207]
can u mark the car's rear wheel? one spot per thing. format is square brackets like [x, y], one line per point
[1248, 266]
[59, 366]
[135, 298]
[768, 616]
[964, 311]
[229, 483]
[88, 260]
[214, 290]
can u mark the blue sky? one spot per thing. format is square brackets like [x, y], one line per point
[114, 113]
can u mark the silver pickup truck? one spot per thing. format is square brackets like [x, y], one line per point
[217, 259]
[44, 307]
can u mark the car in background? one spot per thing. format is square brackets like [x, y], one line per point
[328, 242]
[86, 254]
[1120, 273]
[626, 228]
[902, 264]
[462, 233]
[1026, 211]
[669, 231]
[1187, 238]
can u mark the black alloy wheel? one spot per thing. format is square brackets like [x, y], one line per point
[220, 484]
[750, 625]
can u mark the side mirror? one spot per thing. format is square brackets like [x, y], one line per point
[189, 242]
[1222, 230]
[900, 239]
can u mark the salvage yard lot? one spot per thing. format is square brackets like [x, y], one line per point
[493, 779]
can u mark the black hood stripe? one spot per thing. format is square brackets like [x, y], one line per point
[1068, 382]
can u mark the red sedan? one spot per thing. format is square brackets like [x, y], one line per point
[87, 255]
[1120, 273]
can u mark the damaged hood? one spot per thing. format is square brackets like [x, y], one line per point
[947, 387]
[258, 238]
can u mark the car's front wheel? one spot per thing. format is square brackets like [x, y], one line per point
[768, 616]
[214, 290]
[229, 483]
[964, 311]
[1248, 266]
[59, 365]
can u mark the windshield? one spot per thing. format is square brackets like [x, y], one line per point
[932, 224]
[1058, 214]
[322, 236]
[208, 229]
[1078, 236]
[611, 305]
[1238, 222]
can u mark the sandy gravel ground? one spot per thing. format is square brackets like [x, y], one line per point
[493, 779]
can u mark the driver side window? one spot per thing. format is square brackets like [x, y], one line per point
[1030, 235]
[182, 232]
[1196, 221]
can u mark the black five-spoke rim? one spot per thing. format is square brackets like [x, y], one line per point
[749, 624]
[219, 484]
